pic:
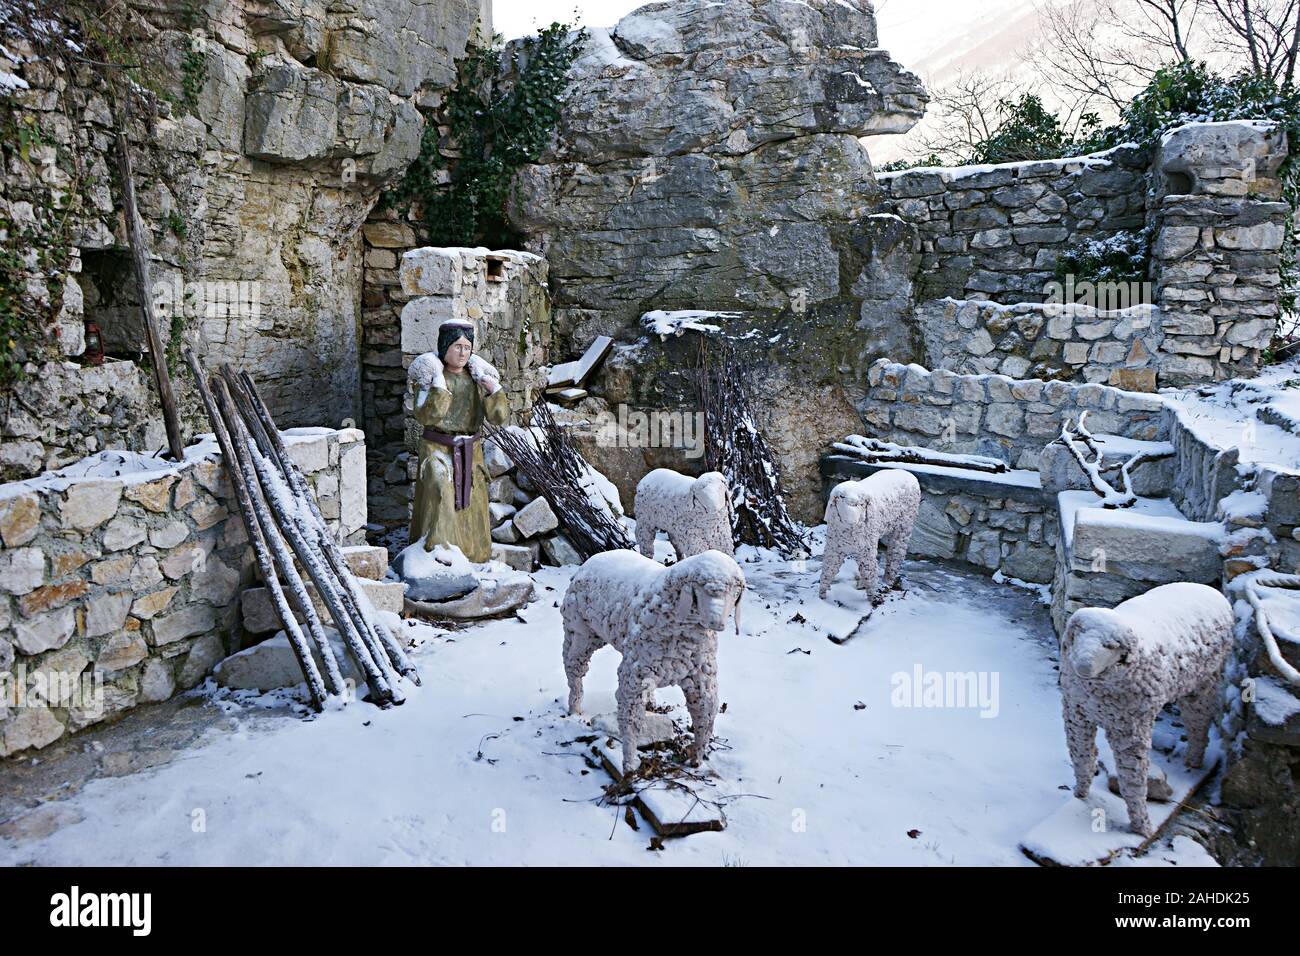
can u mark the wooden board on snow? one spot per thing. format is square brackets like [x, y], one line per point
[669, 808]
[1066, 838]
[576, 372]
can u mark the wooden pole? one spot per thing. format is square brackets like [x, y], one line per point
[140, 255]
[297, 641]
[367, 622]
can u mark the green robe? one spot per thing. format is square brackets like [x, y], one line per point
[458, 409]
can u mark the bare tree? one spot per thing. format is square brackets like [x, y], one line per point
[969, 110]
[1266, 32]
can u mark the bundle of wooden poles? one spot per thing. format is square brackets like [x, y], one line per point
[284, 523]
[734, 445]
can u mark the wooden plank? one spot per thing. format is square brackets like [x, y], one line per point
[140, 258]
[669, 808]
[576, 372]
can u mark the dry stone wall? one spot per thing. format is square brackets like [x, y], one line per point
[995, 232]
[122, 589]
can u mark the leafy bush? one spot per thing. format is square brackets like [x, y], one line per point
[1122, 257]
[1028, 131]
[500, 116]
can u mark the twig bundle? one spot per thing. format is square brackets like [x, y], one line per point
[734, 446]
[281, 516]
[562, 476]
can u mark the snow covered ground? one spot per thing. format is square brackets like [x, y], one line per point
[828, 754]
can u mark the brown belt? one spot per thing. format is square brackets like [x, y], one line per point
[462, 462]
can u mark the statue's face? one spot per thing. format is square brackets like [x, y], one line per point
[458, 354]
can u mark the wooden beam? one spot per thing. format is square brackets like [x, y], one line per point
[140, 255]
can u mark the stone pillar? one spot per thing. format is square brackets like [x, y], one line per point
[1218, 225]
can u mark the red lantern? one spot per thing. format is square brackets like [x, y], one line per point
[94, 354]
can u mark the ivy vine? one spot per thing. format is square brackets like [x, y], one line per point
[502, 113]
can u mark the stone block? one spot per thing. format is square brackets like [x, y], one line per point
[536, 518]
[259, 616]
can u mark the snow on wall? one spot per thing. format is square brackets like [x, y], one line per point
[120, 577]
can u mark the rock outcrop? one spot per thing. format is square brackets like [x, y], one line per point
[281, 123]
[709, 158]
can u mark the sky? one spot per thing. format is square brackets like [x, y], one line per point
[906, 26]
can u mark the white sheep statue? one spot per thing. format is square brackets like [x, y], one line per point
[862, 514]
[695, 512]
[665, 623]
[1121, 665]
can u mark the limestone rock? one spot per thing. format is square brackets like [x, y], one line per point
[498, 594]
[535, 518]
[20, 516]
[272, 664]
[27, 728]
[259, 616]
[44, 632]
[21, 570]
[88, 504]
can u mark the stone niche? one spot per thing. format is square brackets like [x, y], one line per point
[120, 578]
[409, 292]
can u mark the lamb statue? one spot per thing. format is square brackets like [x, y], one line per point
[665, 623]
[695, 512]
[1120, 666]
[861, 514]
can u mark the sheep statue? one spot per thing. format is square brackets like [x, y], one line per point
[1120, 666]
[665, 623]
[861, 514]
[696, 512]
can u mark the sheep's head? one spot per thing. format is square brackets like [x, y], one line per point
[1095, 639]
[705, 589]
[849, 501]
[710, 492]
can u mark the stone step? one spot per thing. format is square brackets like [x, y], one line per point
[259, 615]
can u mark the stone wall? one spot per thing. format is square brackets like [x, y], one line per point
[68, 411]
[994, 232]
[304, 113]
[1047, 341]
[1218, 226]
[410, 291]
[1206, 198]
[997, 416]
[119, 578]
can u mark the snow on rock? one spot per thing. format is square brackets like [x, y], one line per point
[667, 324]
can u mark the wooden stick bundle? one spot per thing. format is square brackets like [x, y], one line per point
[734, 446]
[556, 469]
[281, 516]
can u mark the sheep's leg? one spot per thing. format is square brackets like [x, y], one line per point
[831, 561]
[580, 643]
[1132, 749]
[645, 536]
[630, 698]
[681, 546]
[869, 572]
[1081, 739]
[1198, 709]
[703, 708]
[895, 553]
